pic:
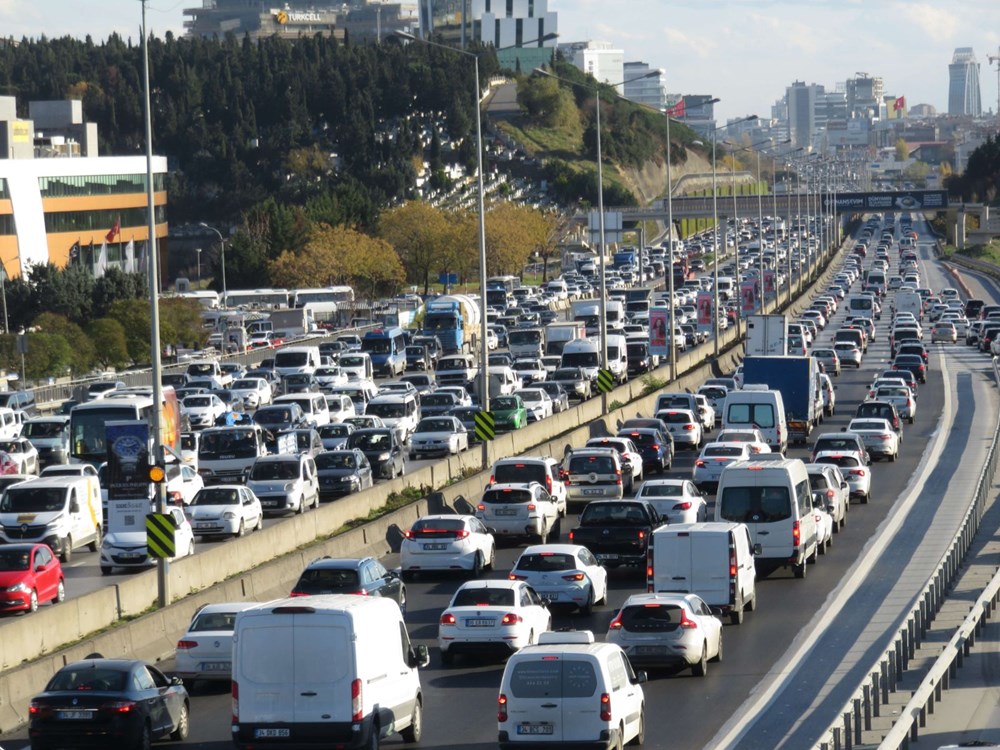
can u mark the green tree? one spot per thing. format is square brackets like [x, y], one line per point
[133, 316]
[902, 150]
[418, 231]
[48, 355]
[82, 349]
[180, 324]
[110, 345]
[547, 103]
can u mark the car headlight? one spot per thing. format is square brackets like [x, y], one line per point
[383, 457]
[289, 486]
[19, 588]
[229, 515]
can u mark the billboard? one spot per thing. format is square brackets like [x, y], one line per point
[748, 297]
[127, 479]
[906, 200]
[705, 311]
[770, 287]
[659, 325]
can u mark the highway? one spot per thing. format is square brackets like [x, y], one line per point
[786, 667]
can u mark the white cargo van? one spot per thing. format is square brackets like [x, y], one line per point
[325, 671]
[400, 411]
[297, 360]
[63, 512]
[585, 354]
[617, 357]
[774, 500]
[762, 409]
[713, 560]
[568, 691]
[313, 405]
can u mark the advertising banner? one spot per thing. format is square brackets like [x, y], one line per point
[748, 297]
[908, 200]
[770, 287]
[705, 304]
[128, 460]
[127, 515]
[659, 325]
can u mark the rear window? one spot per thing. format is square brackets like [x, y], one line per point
[674, 417]
[88, 679]
[519, 473]
[493, 497]
[327, 580]
[662, 490]
[755, 504]
[651, 618]
[757, 415]
[723, 450]
[484, 597]
[835, 444]
[841, 461]
[554, 677]
[818, 482]
[546, 561]
[867, 426]
[591, 465]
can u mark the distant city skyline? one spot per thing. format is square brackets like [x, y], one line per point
[746, 52]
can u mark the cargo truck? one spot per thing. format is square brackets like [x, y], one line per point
[767, 336]
[557, 335]
[455, 320]
[797, 379]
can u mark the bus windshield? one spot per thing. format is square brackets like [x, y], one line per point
[87, 429]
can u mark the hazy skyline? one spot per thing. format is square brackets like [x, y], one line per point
[743, 51]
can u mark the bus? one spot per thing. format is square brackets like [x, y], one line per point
[87, 423]
[260, 299]
[205, 297]
[507, 283]
[334, 294]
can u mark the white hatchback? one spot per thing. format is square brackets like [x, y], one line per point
[225, 510]
[676, 500]
[447, 542]
[563, 574]
[205, 651]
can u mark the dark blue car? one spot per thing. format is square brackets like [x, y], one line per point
[655, 447]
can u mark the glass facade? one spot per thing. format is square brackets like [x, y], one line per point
[102, 220]
[102, 184]
[7, 224]
[4, 194]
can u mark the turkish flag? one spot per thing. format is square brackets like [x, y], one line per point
[114, 232]
[899, 104]
[677, 110]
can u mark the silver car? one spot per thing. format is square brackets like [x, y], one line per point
[848, 353]
[829, 359]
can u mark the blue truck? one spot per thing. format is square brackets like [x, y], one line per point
[797, 378]
[454, 319]
[625, 259]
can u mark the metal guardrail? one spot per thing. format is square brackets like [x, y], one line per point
[887, 671]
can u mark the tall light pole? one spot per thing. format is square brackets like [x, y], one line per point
[602, 260]
[222, 245]
[670, 271]
[159, 455]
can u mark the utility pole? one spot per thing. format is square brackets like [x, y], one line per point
[995, 60]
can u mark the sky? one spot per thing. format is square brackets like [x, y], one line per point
[745, 52]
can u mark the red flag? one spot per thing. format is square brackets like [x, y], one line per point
[899, 104]
[677, 110]
[115, 231]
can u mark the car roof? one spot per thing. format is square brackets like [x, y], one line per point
[336, 563]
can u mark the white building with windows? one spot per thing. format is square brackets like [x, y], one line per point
[605, 63]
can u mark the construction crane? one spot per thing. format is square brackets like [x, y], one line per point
[995, 59]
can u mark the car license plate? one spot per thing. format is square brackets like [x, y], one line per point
[265, 733]
[75, 715]
[534, 729]
[480, 622]
[130, 555]
[505, 512]
[607, 556]
[649, 650]
[593, 492]
[216, 666]
[204, 525]
[434, 546]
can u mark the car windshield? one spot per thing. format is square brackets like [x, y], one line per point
[209, 621]
[841, 461]
[227, 444]
[334, 430]
[44, 429]
[26, 499]
[591, 465]
[484, 597]
[868, 425]
[273, 416]
[613, 514]
[13, 559]
[88, 678]
[216, 496]
[438, 399]
[755, 504]
[197, 401]
[386, 410]
[336, 460]
[371, 441]
[435, 425]
[723, 450]
[505, 403]
[581, 359]
[546, 561]
[274, 470]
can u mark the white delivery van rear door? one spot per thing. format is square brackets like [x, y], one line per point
[672, 562]
[710, 566]
[324, 668]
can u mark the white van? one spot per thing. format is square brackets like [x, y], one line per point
[762, 409]
[297, 360]
[774, 500]
[63, 512]
[617, 357]
[713, 560]
[399, 411]
[325, 671]
[10, 425]
[585, 354]
[314, 406]
[568, 690]
[503, 382]
[727, 288]
[356, 366]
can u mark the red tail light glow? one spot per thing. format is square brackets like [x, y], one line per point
[502, 708]
[574, 577]
[686, 623]
[796, 534]
[616, 624]
[605, 707]
[571, 536]
[511, 618]
[857, 472]
[700, 464]
[447, 619]
[119, 707]
[183, 645]
[357, 704]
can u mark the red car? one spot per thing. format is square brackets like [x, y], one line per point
[29, 575]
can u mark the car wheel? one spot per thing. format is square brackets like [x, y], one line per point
[865, 498]
[145, 739]
[95, 546]
[640, 735]
[700, 667]
[718, 656]
[67, 550]
[543, 537]
[33, 601]
[373, 738]
[800, 570]
[821, 548]
[586, 609]
[181, 732]
[477, 565]
[910, 420]
[302, 505]
[240, 531]
[736, 614]
[260, 522]
[413, 732]
[106, 570]
[752, 604]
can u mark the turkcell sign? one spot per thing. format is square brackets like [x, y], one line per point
[908, 200]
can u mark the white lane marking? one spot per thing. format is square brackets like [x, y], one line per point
[789, 664]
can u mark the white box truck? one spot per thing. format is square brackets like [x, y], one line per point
[767, 336]
[714, 560]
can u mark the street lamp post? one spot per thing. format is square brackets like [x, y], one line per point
[222, 245]
[198, 254]
[670, 271]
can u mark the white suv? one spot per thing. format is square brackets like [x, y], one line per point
[519, 510]
[526, 469]
[596, 695]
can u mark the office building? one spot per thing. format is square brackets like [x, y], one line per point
[801, 107]
[963, 84]
[605, 63]
[650, 91]
[260, 18]
[864, 95]
[60, 200]
[515, 28]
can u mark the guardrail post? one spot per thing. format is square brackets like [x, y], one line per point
[857, 721]
[867, 689]
[893, 657]
[921, 620]
[884, 679]
[847, 730]
[930, 703]
[910, 649]
[923, 719]
[836, 738]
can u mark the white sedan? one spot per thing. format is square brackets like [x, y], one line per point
[254, 392]
[752, 437]
[880, 439]
[127, 549]
[529, 371]
[443, 435]
[22, 453]
[828, 481]
[899, 396]
[676, 500]
[446, 542]
[684, 426]
[225, 510]
[848, 353]
[492, 617]
[537, 402]
[663, 629]
[714, 458]
[205, 651]
[563, 574]
[203, 409]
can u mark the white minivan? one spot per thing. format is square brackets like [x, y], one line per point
[774, 500]
[567, 690]
[297, 360]
[331, 670]
[64, 512]
[759, 408]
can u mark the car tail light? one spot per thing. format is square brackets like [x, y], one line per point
[356, 701]
[511, 618]
[548, 482]
[686, 623]
[605, 707]
[796, 534]
[829, 493]
[447, 619]
[732, 562]
[175, 497]
[515, 577]
[297, 593]
[857, 472]
[119, 707]
[481, 507]
[493, 479]
[34, 707]
[502, 708]
[236, 701]
[359, 592]
[183, 645]
[408, 534]
[571, 535]
[618, 477]
[885, 437]
[689, 427]
[461, 534]
[574, 577]
[700, 464]
[532, 506]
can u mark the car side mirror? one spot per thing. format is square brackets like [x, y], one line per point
[40, 567]
[419, 656]
[640, 677]
[175, 680]
[758, 549]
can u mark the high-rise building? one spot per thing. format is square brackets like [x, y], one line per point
[517, 28]
[650, 91]
[801, 103]
[864, 95]
[605, 63]
[963, 84]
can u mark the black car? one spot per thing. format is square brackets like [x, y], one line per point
[639, 358]
[106, 703]
[655, 446]
[880, 410]
[437, 404]
[382, 449]
[434, 349]
[912, 362]
[418, 357]
[365, 576]
[341, 472]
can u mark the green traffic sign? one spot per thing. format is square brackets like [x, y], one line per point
[605, 381]
[485, 425]
[160, 535]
